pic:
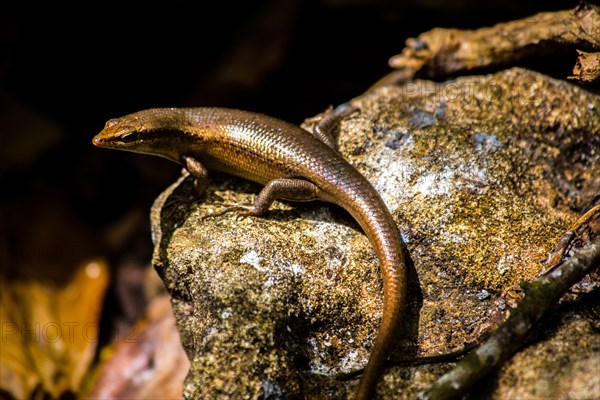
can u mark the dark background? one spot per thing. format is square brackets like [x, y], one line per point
[65, 69]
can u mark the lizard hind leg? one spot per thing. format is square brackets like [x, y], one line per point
[332, 117]
[284, 189]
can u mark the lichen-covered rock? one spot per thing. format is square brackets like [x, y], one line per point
[482, 174]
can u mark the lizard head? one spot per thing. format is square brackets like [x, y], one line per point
[154, 131]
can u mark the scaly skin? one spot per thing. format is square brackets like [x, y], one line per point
[293, 164]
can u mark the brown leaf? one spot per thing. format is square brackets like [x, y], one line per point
[149, 363]
[49, 332]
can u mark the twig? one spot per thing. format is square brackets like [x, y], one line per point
[566, 242]
[540, 295]
[587, 68]
[445, 52]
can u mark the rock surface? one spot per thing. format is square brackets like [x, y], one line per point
[482, 174]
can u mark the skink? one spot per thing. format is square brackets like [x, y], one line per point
[293, 164]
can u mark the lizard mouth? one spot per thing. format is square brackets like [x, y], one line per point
[110, 143]
[97, 141]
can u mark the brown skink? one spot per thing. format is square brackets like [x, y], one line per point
[293, 164]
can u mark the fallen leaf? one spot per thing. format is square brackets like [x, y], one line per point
[149, 363]
[49, 333]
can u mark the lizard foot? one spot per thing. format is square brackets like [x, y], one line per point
[243, 211]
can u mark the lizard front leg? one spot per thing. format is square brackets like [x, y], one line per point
[198, 171]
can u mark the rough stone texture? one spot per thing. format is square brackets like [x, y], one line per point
[483, 175]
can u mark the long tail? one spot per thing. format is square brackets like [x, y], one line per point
[393, 308]
[393, 268]
[369, 210]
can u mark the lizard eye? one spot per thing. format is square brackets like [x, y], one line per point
[129, 136]
[112, 122]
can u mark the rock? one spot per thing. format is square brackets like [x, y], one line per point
[482, 174]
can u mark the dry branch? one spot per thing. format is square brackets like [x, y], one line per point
[445, 52]
[540, 295]
[587, 68]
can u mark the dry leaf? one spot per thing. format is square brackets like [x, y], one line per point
[49, 333]
[150, 363]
